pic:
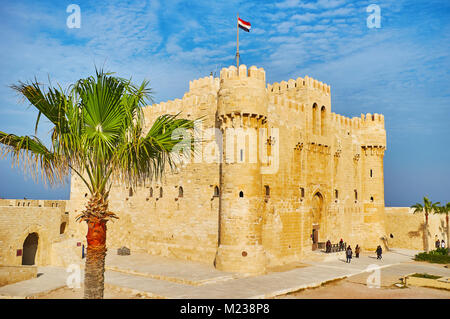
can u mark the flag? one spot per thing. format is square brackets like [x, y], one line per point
[244, 25]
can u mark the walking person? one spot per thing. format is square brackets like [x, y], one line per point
[349, 254]
[379, 252]
[357, 249]
[442, 243]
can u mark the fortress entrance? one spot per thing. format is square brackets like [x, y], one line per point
[317, 207]
[30, 246]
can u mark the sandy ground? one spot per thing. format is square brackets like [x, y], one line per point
[346, 289]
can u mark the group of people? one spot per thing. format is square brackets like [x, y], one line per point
[349, 251]
[440, 243]
[328, 245]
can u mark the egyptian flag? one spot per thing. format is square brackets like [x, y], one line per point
[244, 25]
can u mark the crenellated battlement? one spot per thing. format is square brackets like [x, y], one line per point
[371, 119]
[231, 73]
[204, 85]
[188, 102]
[292, 84]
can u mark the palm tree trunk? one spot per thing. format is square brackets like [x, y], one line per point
[426, 232]
[95, 259]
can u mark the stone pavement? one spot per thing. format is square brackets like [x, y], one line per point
[162, 277]
[158, 267]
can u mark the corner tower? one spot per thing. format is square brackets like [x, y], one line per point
[242, 111]
[373, 148]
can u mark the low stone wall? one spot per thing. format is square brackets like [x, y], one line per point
[13, 274]
[441, 283]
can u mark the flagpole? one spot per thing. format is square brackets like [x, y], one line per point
[237, 52]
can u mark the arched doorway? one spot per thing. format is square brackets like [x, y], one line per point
[30, 246]
[317, 208]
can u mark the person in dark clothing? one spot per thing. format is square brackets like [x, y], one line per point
[349, 254]
[438, 243]
[341, 245]
[379, 252]
[357, 249]
[328, 246]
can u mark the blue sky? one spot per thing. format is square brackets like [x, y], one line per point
[400, 70]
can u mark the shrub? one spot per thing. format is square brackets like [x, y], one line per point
[438, 256]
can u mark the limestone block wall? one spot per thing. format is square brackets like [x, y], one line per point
[12, 274]
[19, 218]
[407, 228]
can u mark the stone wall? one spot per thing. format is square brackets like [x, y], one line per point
[20, 218]
[407, 228]
[13, 274]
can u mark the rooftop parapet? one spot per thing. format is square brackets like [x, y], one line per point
[305, 82]
[204, 85]
[371, 119]
[231, 73]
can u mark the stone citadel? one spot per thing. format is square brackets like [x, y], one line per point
[321, 178]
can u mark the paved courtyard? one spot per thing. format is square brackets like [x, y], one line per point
[161, 277]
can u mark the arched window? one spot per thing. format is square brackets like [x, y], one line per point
[241, 194]
[130, 192]
[161, 192]
[267, 189]
[336, 194]
[302, 192]
[371, 199]
[323, 115]
[356, 195]
[151, 192]
[371, 173]
[180, 191]
[314, 118]
[216, 191]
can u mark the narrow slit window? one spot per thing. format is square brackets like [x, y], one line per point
[180, 191]
[216, 191]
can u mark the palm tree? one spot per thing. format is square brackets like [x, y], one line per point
[98, 134]
[445, 209]
[427, 207]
